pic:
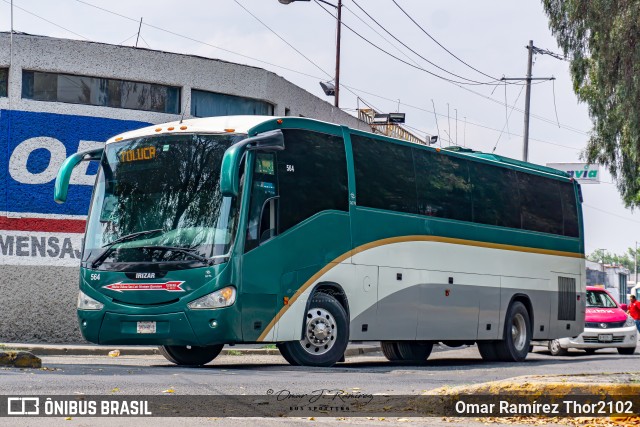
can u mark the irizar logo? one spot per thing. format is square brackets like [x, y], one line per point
[145, 275]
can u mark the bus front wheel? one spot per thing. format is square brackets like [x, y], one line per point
[325, 336]
[190, 355]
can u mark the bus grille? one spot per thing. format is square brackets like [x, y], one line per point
[566, 298]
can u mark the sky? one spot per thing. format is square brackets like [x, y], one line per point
[297, 42]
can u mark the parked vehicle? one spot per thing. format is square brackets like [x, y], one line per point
[607, 325]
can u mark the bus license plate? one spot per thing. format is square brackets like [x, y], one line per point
[605, 337]
[146, 327]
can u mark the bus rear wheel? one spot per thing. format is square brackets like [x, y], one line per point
[325, 335]
[415, 352]
[514, 347]
[190, 355]
[390, 351]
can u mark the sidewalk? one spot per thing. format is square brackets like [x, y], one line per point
[131, 350]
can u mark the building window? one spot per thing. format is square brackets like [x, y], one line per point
[88, 90]
[4, 79]
[211, 104]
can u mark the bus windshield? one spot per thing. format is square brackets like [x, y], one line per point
[160, 197]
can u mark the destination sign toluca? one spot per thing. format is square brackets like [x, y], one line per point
[137, 154]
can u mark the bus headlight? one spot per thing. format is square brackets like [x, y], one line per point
[630, 321]
[218, 299]
[85, 302]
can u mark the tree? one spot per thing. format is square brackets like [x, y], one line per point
[602, 38]
[627, 260]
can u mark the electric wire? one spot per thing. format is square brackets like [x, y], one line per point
[416, 53]
[282, 38]
[86, 3]
[195, 40]
[507, 121]
[46, 20]
[438, 43]
[398, 58]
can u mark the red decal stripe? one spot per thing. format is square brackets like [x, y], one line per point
[49, 225]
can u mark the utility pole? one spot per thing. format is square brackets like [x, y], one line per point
[525, 143]
[635, 264]
[527, 104]
[337, 98]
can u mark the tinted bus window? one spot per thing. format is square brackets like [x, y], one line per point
[443, 185]
[384, 175]
[569, 210]
[312, 176]
[495, 195]
[541, 204]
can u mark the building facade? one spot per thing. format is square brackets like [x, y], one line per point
[59, 97]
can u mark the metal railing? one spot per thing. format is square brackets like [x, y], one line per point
[388, 129]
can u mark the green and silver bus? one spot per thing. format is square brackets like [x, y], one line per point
[309, 235]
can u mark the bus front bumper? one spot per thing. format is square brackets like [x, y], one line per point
[192, 327]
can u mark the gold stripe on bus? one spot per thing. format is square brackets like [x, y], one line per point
[402, 239]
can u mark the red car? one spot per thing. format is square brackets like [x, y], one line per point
[607, 325]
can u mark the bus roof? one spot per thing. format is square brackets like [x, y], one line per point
[244, 124]
[221, 124]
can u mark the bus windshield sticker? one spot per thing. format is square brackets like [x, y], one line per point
[264, 164]
[137, 154]
[167, 286]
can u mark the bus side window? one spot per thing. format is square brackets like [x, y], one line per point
[312, 176]
[263, 189]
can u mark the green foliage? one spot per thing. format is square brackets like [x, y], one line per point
[627, 259]
[602, 38]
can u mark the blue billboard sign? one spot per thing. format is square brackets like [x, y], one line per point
[33, 146]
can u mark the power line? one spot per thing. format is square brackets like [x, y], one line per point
[413, 51]
[400, 59]
[281, 38]
[468, 122]
[440, 44]
[196, 40]
[280, 66]
[46, 20]
[611, 213]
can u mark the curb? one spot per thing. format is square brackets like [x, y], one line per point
[80, 350]
[549, 385]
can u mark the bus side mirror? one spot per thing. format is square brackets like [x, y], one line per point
[229, 177]
[64, 173]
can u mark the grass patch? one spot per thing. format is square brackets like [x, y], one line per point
[270, 346]
[234, 353]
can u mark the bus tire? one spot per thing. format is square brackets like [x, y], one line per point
[325, 336]
[190, 355]
[284, 352]
[488, 351]
[415, 352]
[390, 350]
[514, 347]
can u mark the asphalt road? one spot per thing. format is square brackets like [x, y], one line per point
[252, 374]
[255, 375]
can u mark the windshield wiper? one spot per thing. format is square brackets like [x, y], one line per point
[186, 251]
[109, 246]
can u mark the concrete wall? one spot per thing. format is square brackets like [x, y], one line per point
[40, 241]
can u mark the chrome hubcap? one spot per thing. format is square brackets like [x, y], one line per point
[518, 332]
[320, 331]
